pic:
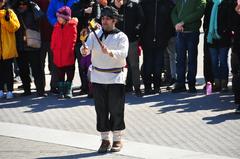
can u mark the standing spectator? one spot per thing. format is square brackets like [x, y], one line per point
[46, 32]
[170, 59]
[236, 56]
[108, 78]
[207, 69]
[9, 25]
[84, 10]
[54, 5]
[218, 30]
[155, 37]
[133, 17]
[186, 17]
[27, 54]
[64, 34]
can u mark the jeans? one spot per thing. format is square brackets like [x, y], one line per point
[187, 48]
[219, 59]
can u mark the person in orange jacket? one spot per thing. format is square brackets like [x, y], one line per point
[9, 24]
[64, 38]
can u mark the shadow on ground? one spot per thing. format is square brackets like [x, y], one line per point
[40, 104]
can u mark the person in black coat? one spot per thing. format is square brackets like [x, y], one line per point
[133, 19]
[28, 56]
[84, 10]
[156, 33]
[235, 60]
[218, 48]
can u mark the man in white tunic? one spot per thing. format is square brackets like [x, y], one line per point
[108, 78]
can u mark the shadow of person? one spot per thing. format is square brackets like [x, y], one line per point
[221, 118]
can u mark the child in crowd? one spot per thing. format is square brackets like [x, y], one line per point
[63, 41]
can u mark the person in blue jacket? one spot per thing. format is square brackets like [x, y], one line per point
[54, 6]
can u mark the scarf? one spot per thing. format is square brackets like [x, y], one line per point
[212, 32]
[106, 33]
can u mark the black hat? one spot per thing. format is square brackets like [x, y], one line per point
[111, 12]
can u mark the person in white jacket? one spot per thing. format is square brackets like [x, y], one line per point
[108, 78]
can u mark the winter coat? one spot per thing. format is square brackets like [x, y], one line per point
[236, 43]
[54, 6]
[189, 13]
[28, 19]
[133, 19]
[8, 28]
[63, 41]
[78, 12]
[45, 26]
[224, 22]
[157, 28]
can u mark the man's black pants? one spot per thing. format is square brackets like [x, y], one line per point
[109, 105]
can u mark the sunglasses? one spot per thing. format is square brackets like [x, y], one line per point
[22, 3]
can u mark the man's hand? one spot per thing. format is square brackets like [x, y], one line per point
[105, 50]
[88, 10]
[84, 51]
[179, 27]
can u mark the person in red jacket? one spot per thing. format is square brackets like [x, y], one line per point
[64, 37]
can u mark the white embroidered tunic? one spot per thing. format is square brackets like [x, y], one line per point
[118, 44]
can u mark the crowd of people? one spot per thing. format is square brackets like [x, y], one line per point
[166, 32]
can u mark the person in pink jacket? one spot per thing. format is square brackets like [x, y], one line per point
[63, 41]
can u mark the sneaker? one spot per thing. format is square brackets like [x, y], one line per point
[117, 146]
[179, 88]
[105, 146]
[1, 94]
[238, 110]
[9, 95]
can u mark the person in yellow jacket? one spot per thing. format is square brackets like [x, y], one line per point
[9, 24]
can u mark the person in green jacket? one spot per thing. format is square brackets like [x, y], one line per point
[186, 17]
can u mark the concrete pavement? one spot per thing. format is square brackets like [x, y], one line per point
[196, 125]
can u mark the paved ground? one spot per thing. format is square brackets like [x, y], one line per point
[40, 150]
[194, 122]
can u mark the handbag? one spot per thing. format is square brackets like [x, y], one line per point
[33, 37]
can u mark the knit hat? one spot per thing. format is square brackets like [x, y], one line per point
[64, 12]
[111, 12]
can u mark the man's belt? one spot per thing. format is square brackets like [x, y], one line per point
[109, 70]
